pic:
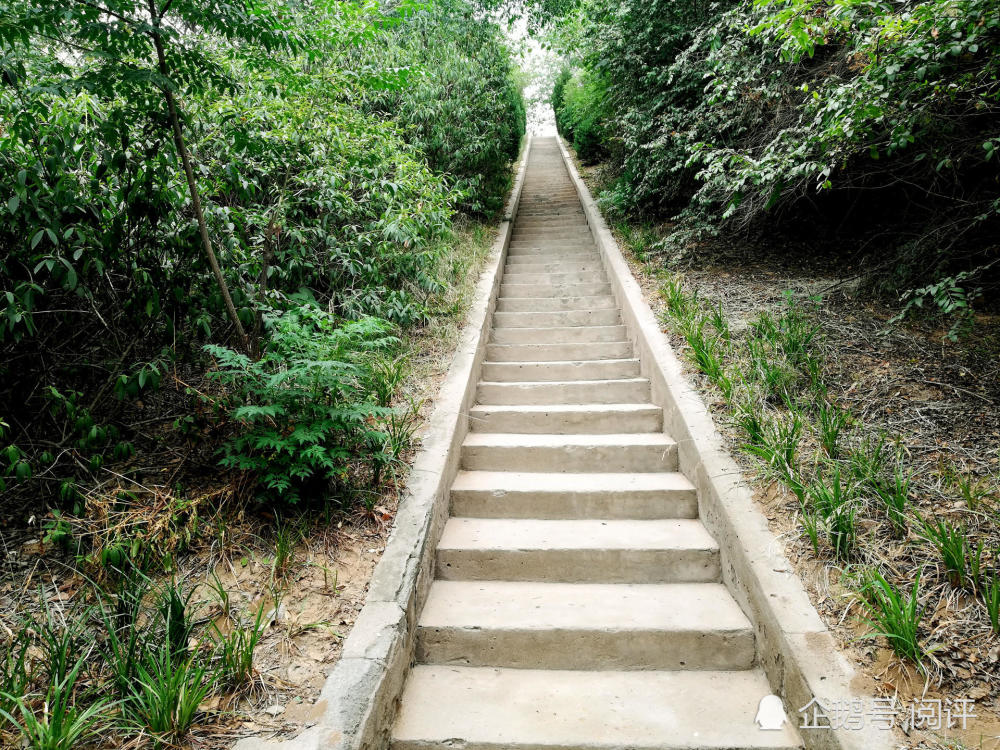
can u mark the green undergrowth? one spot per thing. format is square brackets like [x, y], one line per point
[131, 662]
[855, 494]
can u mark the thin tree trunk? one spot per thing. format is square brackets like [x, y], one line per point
[206, 242]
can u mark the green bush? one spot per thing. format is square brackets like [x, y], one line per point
[306, 411]
[580, 115]
[852, 115]
[330, 147]
[461, 105]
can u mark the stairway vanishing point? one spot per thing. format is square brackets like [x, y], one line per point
[578, 600]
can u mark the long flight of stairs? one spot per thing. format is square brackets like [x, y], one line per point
[577, 601]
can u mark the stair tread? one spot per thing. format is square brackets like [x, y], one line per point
[537, 709]
[550, 408]
[572, 534]
[662, 481]
[534, 605]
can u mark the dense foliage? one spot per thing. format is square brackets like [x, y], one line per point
[473, 138]
[183, 175]
[858, 116]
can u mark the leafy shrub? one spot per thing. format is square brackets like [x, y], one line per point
[305, 411]
[329, 148]
[580, 115]
[461, 105]
[854, 114]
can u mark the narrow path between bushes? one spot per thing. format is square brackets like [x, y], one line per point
[578, 600]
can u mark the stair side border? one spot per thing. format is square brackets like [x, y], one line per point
[794, 647]
[360, 696]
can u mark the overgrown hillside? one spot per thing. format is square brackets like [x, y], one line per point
[876, 122]
[224, 226]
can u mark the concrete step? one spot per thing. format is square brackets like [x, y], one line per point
[550, 222]
[530, 624]
[555, 233]
[619, 391]
[559, 335]
[627, 452]
[514, 276]
[530, 265]
[552, 495]
[600, 369]
[554, 290]
[573, 254]
[550, 249]
[575, 551]
[555, 304]
[561, 352]
[556, 319]
[476, 708]
[560, 214]
[566, 419]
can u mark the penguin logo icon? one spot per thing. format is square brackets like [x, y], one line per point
[770, 714]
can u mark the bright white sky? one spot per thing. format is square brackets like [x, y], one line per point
[540, 67]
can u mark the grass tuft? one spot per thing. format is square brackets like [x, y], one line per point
[894, 616]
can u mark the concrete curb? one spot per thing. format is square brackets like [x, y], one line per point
[360, 696]
[794, 647]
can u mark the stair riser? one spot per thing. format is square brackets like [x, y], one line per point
[565, 423]
[575, 458]
[536, 371]
[557, 304]
[634, 504]
[580, 566]
[553, 290]
[557, 319]
[558, 352]
[586, 649]
[518, 257]
[532, 223]
[602, 392]
[567, 335]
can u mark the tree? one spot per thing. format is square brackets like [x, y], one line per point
[144, 52]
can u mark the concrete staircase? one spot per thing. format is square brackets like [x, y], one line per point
[578, 601]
